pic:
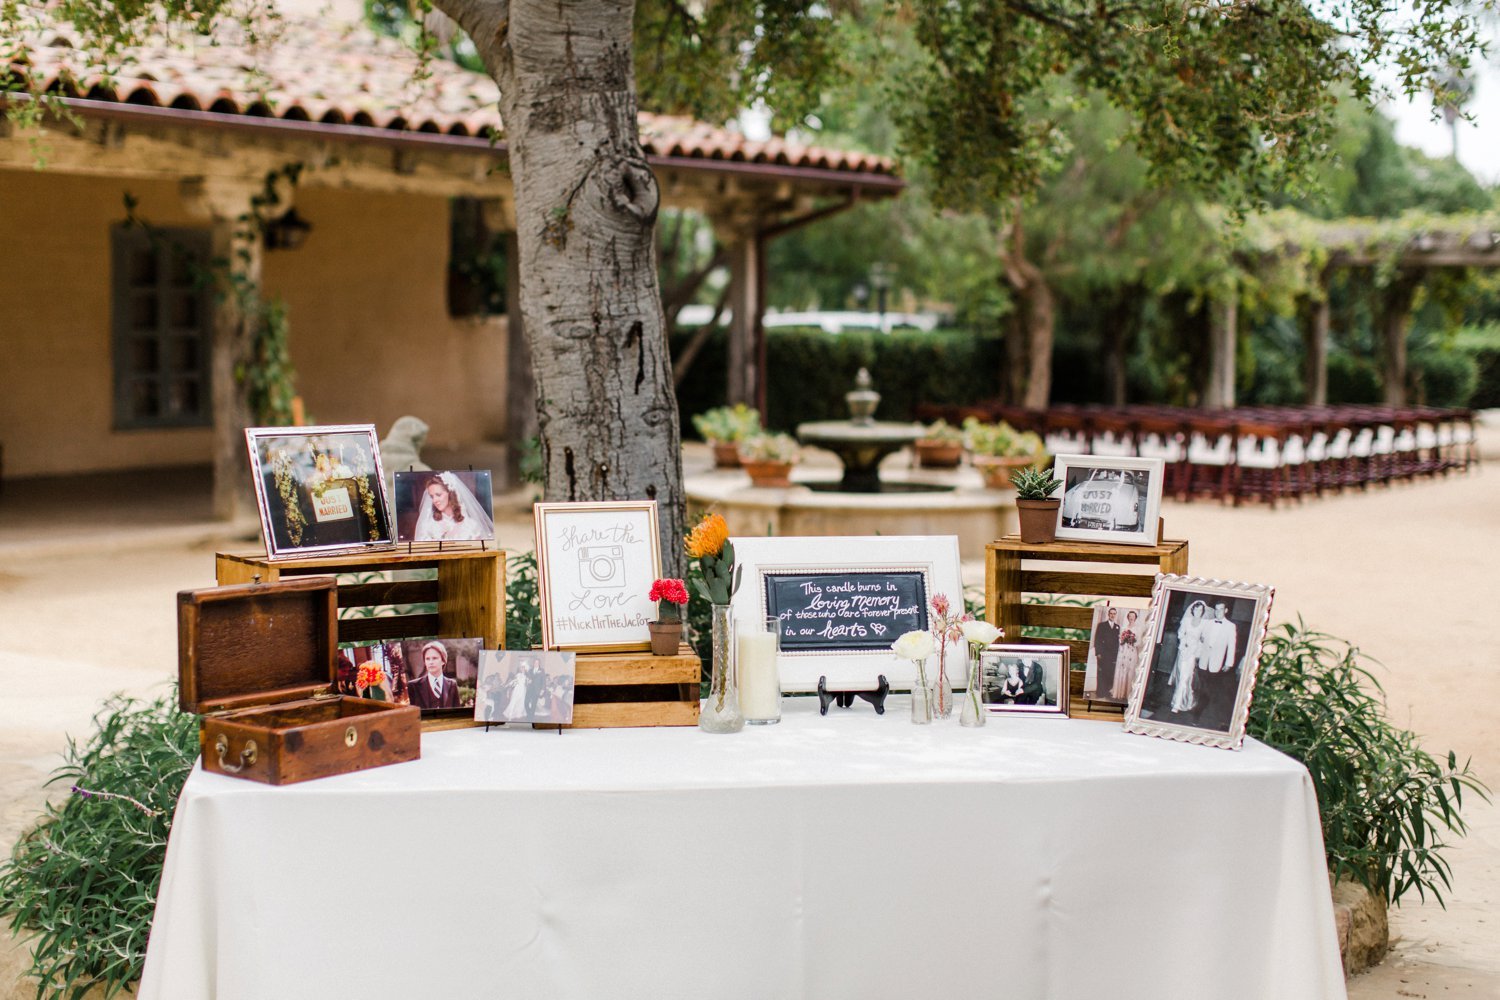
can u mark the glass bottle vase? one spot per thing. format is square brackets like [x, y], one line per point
[942, 705]
[973, 714]
[721, 709]
[922, 707]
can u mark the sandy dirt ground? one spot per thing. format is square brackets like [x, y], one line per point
[1406, 571]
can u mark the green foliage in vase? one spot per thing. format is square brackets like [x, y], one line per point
[1035, 484]
[83, 880]
[1386, 803]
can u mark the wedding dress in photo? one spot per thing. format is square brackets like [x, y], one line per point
[434, 525]
[1189, 649]
[516, 707]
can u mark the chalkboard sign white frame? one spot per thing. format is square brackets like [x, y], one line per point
[616, 542]
[935, 556]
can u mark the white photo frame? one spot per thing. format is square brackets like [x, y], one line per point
[1103, 499]
[850, 662]
[1005, 688]
[1167, 702]
[320, 491]
[595, 566]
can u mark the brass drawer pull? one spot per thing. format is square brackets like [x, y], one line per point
[247, 755]
[351, 736]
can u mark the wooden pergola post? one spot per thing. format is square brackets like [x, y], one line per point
[746, 304]
[1223, 320]
[1316, 343]
[1395, 323]
[227, 203]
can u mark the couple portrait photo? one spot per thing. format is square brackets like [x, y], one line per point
[1025, 678]
[1114, 653]
[526, 686]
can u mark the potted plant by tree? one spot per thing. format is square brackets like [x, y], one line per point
[666, 632]
[769, 458]
[1036, 504]
[723, 427]
[940, 447]
[1000, 450]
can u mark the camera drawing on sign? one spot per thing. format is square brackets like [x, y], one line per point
[1021, 678]
[1109, 499]
[432, 674]
[447, 506]
[526, 686]
[1114, 652]
[1204, 651]
[319, 490]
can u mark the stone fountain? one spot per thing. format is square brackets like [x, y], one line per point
[861, 442]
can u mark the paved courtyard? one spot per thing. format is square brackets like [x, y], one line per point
[1406, 571]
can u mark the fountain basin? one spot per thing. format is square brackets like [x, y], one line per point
[860, 445]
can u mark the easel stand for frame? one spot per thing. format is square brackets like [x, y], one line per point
[844, 699]
[1014, 570]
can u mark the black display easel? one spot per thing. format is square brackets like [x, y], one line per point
[845, 699]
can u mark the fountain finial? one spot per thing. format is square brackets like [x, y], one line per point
[862, 399]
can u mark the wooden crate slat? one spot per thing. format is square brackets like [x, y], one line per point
[1093, 551]
[389, 627]
[623, 714]
[667, 670]
[366, 595]
[1057, 615]
[472, 601]
[1111, 584]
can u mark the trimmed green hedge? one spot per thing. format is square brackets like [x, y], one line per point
[811, 371]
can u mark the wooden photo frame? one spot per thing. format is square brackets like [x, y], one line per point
[844, 600]
[1108, 498]
[595, 564]
[1025, 679]
[1199, 658]
[319, 490]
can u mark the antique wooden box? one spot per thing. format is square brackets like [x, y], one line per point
[257, 662]
[1014, 568]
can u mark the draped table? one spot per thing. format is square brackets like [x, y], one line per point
[853, 856]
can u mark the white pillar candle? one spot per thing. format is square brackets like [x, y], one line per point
[760, 683]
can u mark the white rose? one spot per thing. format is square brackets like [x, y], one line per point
[980, 632]
[916, 645]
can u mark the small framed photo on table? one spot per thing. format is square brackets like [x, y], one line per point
[1200, 652]
[444, 506]
[320, 490]
[1025, 680]
[595, 566]
[1109, 499]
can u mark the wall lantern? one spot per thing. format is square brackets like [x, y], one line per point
[288, 232]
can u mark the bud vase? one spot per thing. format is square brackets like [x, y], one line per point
[922, 707]
[721, 709]
[942, 705]
[973, 713]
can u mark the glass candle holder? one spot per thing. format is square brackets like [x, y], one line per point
[760, 679]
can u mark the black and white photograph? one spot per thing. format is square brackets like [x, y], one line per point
[528, 685]
[444, 506]
[1114, 652]
[320, 490]
[1202, 652]
[1025, 679]
[1109, 499]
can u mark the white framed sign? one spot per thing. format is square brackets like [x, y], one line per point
[595, 566]
[842, 601]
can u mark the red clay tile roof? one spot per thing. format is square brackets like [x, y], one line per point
[341, 74]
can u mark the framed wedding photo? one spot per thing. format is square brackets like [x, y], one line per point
[1025, 680]
[320, 490]
[1109, 499]
[595, 565]
[444, 506]
[1114, 652]
[1201, 652]
[526, 685]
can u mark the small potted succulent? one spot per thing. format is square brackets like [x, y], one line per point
[1036, 504]
[724, 427]
[769, 458]
[1000, 449]
[940, 447]
[666, 632]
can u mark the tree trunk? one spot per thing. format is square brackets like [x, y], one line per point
[1036, 314]
[1395, 324]
[586, 205]
[1318, 320]
[1119, 322]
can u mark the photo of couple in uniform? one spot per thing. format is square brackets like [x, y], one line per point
[1198, 661]
[526, 686]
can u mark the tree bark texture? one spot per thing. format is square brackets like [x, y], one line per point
[1396, 323]
[1223, 333]
[1319, 321]
[1037, 312]
[586, 205]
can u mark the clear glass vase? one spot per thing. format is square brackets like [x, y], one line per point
[721, 709]
[923, 707]
[942, 706]
[973, 713]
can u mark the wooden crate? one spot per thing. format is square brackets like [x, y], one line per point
[1013, 569]
[469, 591]
[614, 690]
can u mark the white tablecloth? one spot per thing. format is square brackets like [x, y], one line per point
[850, 856]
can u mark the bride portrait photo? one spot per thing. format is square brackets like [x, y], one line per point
[446, 506]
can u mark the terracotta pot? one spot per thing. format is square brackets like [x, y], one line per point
[997, 469]
[768, 474]
[726, 455]
[939, 454]
[666, 637]
[1038, 520]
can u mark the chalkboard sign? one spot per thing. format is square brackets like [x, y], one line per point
[846, 611]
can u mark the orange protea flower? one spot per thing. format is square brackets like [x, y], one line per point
[708, 537]
[370, 676]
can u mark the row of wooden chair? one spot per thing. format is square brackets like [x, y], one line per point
[1269, 453]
